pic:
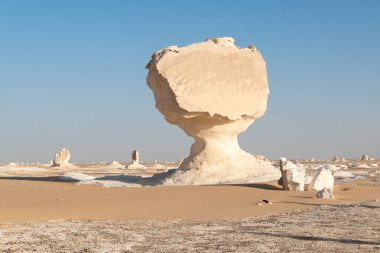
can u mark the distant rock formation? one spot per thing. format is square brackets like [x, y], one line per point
[135, 161]
[62, 158]
[338, 159]
[323, 179]
[293, 177]
[213, 90]
[365, 158]
[114, 165]
[135, 157]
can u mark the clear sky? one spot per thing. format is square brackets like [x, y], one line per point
[72, 75]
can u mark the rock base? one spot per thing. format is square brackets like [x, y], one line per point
[249, 171]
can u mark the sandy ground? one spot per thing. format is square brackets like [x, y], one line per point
[23, 201]
[38, 215]
[323, 228]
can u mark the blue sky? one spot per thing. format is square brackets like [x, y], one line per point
[72, 75]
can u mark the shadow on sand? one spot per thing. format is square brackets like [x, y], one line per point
[154, 180]
[259, 186]
[316, 238]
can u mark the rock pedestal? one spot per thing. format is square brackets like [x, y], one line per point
[135, 157]
[135, 161]
[213, 90]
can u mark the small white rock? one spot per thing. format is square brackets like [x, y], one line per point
[325, 193]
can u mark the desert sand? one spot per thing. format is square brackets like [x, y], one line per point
[26, 201]
[43, 216]
[348, 228]
[96, 207]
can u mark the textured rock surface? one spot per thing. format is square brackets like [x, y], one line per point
[213, 90]
[62, 158]
[325, 193]
[293, 177]
[323, 179]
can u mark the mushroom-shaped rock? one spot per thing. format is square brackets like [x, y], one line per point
[323, 179]
[293, 177]
[213, 90]
[62, 158]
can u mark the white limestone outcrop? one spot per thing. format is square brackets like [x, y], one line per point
[293, 177]
[364, 158]
[323, 179]
[135, 161]
[213, 90]
[114, 165]
[62, 158]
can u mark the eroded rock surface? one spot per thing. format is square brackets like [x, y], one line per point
[62, 158]
[213, 90]
[323, 179]
[135, 161]
[325, 193]
[135, 157]
[293, 177]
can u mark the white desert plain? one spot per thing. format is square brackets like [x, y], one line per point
[219, 199]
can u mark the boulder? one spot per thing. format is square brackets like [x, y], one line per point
[323, 179]
[325, 193]
[293, 177]
[212, 90]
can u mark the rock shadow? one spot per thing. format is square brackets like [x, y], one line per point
[316, 238]
[258, 186]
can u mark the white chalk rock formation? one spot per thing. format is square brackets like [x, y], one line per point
[135, 157]
[338, 159]
[331, 167]
[62, 158]
[213, 90]
[75, 177]
[364, 158]
[343, 174]
[293, 177]
[325, 193]
[323, 179]
[114, 165]
[135, 161]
